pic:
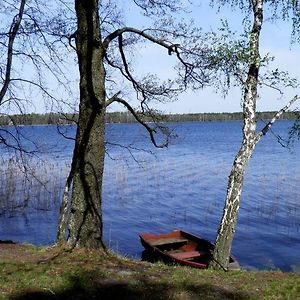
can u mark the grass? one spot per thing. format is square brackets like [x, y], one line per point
[53, 273]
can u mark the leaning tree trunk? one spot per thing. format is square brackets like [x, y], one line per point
[232, 204]
[85, 219]
[250, 139]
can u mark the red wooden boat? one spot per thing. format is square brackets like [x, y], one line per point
[183, 248]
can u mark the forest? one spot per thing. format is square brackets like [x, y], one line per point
[126, 117]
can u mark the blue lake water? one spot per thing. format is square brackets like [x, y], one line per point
[183, 186]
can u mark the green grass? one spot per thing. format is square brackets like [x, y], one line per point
[83, 274]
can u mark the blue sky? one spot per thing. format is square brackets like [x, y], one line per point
[275, 39]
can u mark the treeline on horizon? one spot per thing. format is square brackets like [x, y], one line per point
[126, 117]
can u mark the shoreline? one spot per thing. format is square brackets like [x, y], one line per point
[127, 118]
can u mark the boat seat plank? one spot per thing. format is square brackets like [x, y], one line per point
[186, 255]
[168, 241]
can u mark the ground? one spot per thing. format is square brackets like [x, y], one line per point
[27, 272]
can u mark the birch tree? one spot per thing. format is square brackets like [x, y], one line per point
[250, 139]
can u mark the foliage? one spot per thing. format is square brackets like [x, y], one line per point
[286, 10]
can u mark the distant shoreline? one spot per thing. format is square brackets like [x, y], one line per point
[125, 117]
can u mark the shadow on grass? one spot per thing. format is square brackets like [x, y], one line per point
[140, 288]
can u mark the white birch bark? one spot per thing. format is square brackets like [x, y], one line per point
[250, 139]
[64, 212]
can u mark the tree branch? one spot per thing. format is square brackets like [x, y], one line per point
[36, 85]
[129, 148]
[127, 74]
[277, 116]
[142, 33]
[12, 35]
[151, 131]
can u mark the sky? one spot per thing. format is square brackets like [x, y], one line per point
[275, 39]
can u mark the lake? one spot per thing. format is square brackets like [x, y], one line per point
[157, 190]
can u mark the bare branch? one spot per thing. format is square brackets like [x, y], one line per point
[151, 131]
[36, 85]
[129, 148]
[141, 33]
[12, 35]
[17, 146]
[148, 88]
[63, 134]
[159, 7]
[127, 74]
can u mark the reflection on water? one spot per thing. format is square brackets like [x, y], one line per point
[180, 187]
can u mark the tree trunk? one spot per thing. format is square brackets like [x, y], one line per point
[250, 139]
[85, 220]
[232, 204]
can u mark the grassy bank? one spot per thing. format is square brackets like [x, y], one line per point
[30, 273]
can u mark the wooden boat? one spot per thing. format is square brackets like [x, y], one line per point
[183, 248]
